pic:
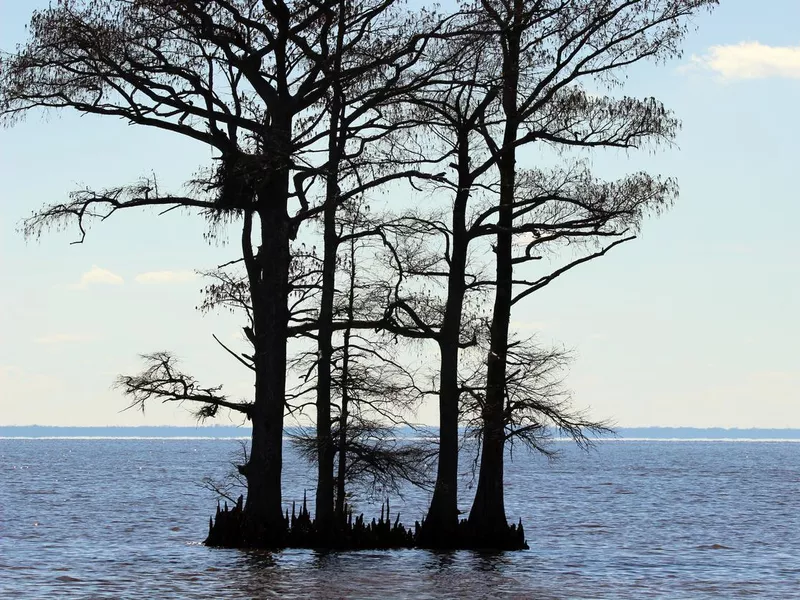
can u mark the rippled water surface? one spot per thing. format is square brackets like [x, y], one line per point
[124, 519]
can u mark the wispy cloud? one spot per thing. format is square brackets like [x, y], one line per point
[62, 338]
[97, 276]
[749, 60]
[158, 277]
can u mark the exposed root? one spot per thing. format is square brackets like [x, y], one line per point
[230, 530]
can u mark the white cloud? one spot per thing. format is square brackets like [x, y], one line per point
[60, 338]
[95, 276]
[750, 60]
[156, 277]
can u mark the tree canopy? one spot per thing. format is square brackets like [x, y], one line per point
[313, 110]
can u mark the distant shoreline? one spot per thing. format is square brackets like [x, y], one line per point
[223, 432]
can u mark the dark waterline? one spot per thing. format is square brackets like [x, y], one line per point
[124, 518]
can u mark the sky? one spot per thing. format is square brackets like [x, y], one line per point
[693, 324]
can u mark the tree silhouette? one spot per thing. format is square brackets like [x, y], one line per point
[314, 106]
[248, 79]
[543, 50]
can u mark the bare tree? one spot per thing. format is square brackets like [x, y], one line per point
[371, 392]
[248, 79]
[314, 105]
[364, 114]
[544, 50]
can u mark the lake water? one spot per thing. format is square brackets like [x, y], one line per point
[657, 519]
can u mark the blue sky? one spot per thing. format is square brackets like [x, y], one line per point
[696, 323]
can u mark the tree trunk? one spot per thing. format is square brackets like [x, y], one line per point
[325, 445]
[344, 414]
[441, 522]
[264, 524]
[487, 519]
[268, 275]
[326, 449]
[440, 528]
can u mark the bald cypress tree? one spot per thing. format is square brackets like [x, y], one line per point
[310, 105]
[257, 83]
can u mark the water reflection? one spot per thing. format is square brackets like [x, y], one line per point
[490, 561]
[439, 560]
[254, 574]
[422, 574]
